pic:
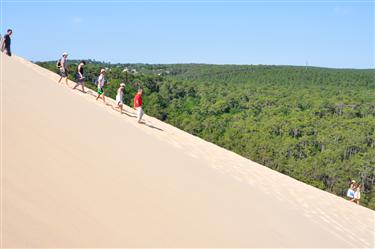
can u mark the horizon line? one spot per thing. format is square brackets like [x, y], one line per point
[215, 64]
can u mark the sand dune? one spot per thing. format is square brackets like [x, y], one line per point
[76, 173]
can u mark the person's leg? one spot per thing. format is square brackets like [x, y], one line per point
[121, 108]
[103, 95]
[61, 76]
[139, 114]
[7, 51]
[66, 80]
[83, 87]
[142, 112]
[75, 86]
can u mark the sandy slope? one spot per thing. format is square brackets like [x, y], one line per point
[75, 173]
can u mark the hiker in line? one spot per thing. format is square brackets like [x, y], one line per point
[120, 97]
[138, 104]
[5, 43]
[62, 64]
[102, 83]
[80, 77]
[350, 193]
[357, 193]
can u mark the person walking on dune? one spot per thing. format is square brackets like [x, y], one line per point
[120, 97]
[80, 77]
[138, 105]
[5, 43]
[63, 66]
[351, 191]
[102, 83]
[357, 193]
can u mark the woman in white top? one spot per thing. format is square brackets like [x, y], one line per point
[120, 97]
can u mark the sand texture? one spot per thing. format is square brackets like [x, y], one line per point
[76, 173]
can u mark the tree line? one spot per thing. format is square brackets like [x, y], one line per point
[314, 124]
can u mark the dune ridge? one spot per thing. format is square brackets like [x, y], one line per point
[76, 173]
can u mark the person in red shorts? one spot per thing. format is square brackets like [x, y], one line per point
[138, 105]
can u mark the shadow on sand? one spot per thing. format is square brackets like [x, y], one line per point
[129, 114]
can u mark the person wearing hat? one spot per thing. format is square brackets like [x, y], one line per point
[351, 192]
[64, 68]
[102, 82]
[120, 97]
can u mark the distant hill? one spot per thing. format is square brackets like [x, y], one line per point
[314, 124]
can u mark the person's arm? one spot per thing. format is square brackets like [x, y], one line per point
[79, 70]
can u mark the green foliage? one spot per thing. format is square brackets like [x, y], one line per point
[314, 124]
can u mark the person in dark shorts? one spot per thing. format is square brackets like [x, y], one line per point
[6, 43]
[64, 68]
[80, 76]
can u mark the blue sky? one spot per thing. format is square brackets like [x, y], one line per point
[321, 33]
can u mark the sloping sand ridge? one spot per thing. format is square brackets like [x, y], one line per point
[76, 173]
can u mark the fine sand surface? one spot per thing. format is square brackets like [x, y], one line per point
[76, 173]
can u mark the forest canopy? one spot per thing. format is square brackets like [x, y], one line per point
[316, 125]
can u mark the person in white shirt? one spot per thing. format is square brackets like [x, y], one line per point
[102, 83]
[64, 68]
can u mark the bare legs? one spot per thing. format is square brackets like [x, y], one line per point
[139, 114]
[66, 80]
[82, 85]
[101, 96]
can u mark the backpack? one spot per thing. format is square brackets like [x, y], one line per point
[95, 81]
[58, 63]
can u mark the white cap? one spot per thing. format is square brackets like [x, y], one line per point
[122, 84]
[65, 53]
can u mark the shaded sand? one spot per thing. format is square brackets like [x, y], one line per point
[76, 173]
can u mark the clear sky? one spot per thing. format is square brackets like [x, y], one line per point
[321, 33]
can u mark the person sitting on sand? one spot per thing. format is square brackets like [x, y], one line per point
[357, 193]
[64, 68]
[120, 97]
[102, 83]
[138, 105]
[350, 193]
[80, 77]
